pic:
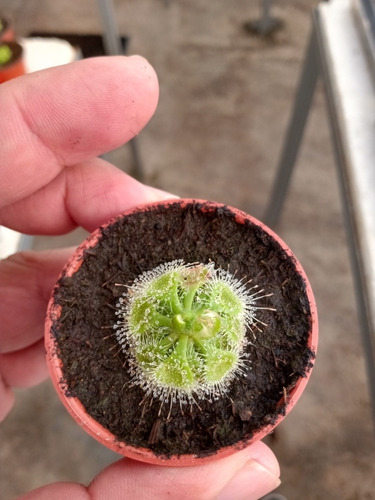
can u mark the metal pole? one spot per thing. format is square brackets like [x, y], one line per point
[111, 37]
[113, 46]
[356, 240]
[302, 104]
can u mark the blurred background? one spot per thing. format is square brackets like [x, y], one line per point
[225, 100]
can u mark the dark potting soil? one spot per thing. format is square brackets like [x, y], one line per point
[95, 368]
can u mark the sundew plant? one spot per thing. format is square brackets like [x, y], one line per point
[183, 328]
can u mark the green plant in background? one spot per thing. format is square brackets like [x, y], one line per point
[183, 327]
[5, 54]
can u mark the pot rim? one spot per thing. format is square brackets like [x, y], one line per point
[103, 435]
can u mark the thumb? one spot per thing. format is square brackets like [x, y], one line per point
[248, 475]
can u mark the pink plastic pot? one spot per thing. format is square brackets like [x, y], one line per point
[101, 434]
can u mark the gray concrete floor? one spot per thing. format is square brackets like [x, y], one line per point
[217, 134]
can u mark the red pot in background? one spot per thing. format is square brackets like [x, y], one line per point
[11, 61]
[7, 33]
[104, 436]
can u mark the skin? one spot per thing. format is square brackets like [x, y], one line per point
[53, 125]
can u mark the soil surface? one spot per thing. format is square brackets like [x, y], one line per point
[95, 368]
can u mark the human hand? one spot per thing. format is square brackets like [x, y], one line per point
[53, 124]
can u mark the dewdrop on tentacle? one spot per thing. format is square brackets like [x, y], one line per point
[183, 329]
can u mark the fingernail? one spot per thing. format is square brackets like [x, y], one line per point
[253, 481]
[159, 194]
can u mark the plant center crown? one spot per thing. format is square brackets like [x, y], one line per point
[183, 328]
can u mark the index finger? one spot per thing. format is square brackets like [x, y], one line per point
[65, 115]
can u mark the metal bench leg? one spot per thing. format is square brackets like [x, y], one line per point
[302, 104]
[353, 229]
[266, 25]
[113, 46]
[366, 322]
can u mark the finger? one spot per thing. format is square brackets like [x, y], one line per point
[26, 281]
[26, 367]
[256, 467]
[68, 114]
[6, 398]
[86, 195]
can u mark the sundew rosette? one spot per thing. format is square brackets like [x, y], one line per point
[183, 328]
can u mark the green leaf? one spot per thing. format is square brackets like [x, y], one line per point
[176, 373]
[218, 364]
[223, 300]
